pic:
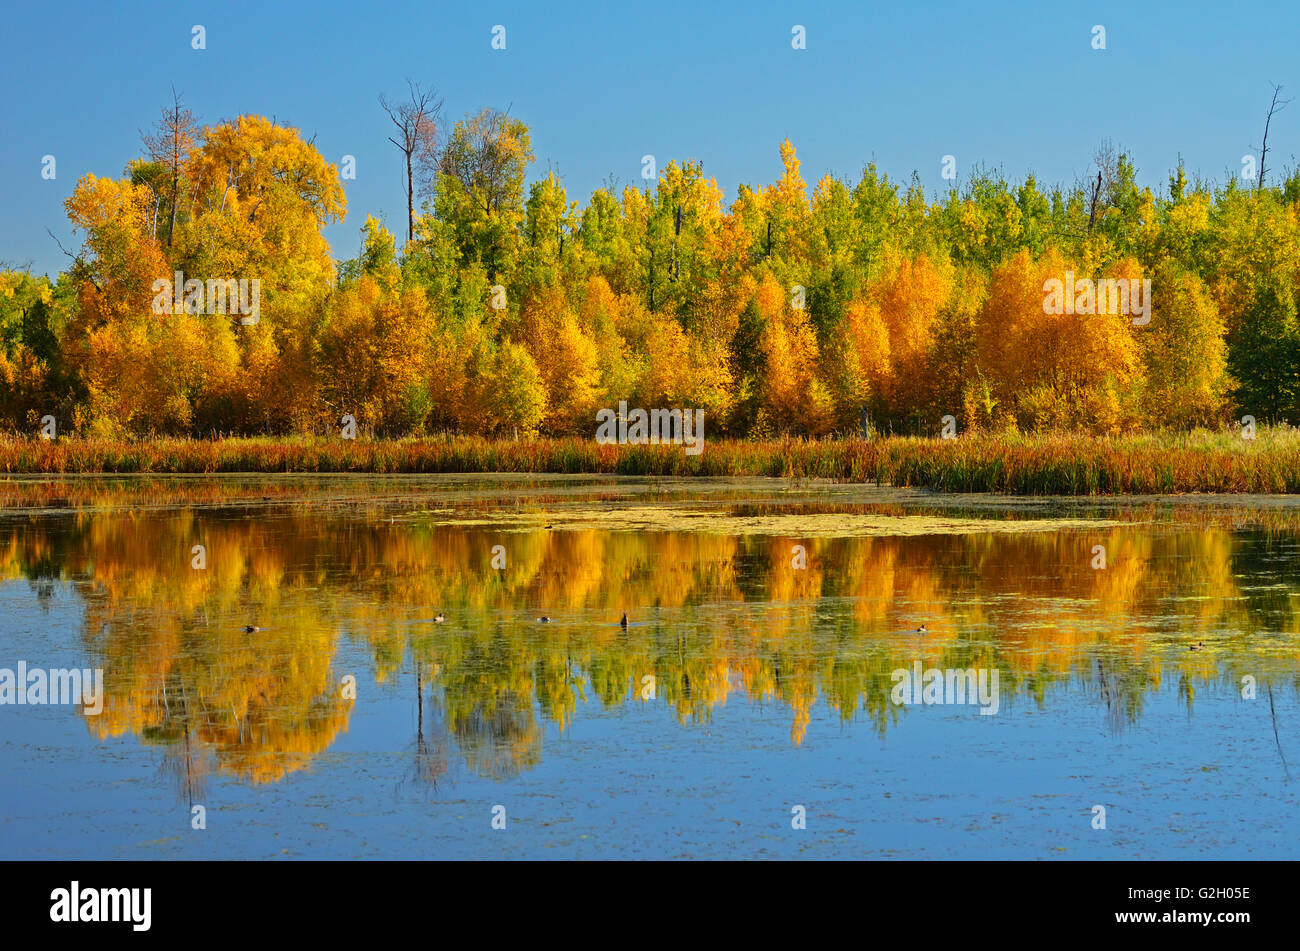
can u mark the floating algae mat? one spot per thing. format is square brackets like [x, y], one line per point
[663, 518]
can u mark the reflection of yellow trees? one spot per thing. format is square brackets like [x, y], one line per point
[263, 702]
[711, 615]
[179, 669]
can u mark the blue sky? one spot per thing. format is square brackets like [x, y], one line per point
[1008, 84]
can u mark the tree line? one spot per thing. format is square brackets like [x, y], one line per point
[510, 309]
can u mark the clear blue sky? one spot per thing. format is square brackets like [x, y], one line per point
[1014, 85]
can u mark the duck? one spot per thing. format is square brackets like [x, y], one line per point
[1195, 647]
[922, 630]
[439, 618]
[251, 629]
[544, 619]
[623, 623]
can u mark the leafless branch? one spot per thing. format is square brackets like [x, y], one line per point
[418, 119]
[1275, 106]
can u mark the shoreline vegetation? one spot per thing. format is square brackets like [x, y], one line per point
[1052, 464]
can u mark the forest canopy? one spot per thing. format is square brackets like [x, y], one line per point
[515, 310]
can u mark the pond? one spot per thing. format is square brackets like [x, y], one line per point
[807, 670]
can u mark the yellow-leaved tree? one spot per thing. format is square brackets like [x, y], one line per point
[566, 358]
[1185, 352]
[793, 396]
[1047, 369]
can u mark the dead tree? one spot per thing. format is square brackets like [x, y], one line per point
[676, 239]
[170, 145]
[417, 119]
[1092, 206]
[1275, 106]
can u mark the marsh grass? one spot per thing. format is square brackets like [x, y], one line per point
[1200, 461]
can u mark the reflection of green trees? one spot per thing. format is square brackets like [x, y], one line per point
[1267, 564]
[1122, 687]
[713, 616]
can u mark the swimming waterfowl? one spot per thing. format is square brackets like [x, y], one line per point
[252, 629]
[439, 618]
[544, 619]
[1195, 647]
[624, 621]
[921, 630]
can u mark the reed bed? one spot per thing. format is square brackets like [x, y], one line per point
[1201, 461]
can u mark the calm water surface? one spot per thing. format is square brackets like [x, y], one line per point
[754, 676]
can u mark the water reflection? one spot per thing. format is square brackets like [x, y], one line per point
[716, 611]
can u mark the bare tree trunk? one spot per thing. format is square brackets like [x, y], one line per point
[417, 121]
[410, 200]
[1273, 107]
[170, 144]
[176, 171]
